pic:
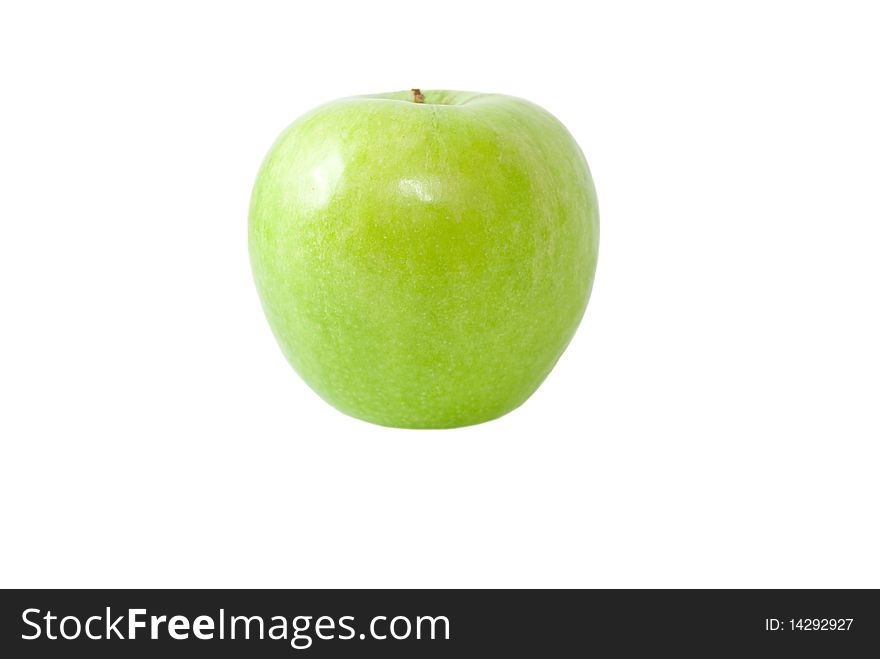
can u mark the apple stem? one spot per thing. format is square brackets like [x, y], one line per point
[417, 96]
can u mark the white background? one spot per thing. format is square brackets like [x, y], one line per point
[715, 421]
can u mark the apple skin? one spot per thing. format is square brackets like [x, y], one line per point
[424, 265]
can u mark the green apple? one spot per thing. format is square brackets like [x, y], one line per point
[424, 258]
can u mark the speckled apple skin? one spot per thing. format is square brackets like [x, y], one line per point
[424, 265]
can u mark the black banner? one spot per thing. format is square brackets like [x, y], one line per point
[444, 623]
